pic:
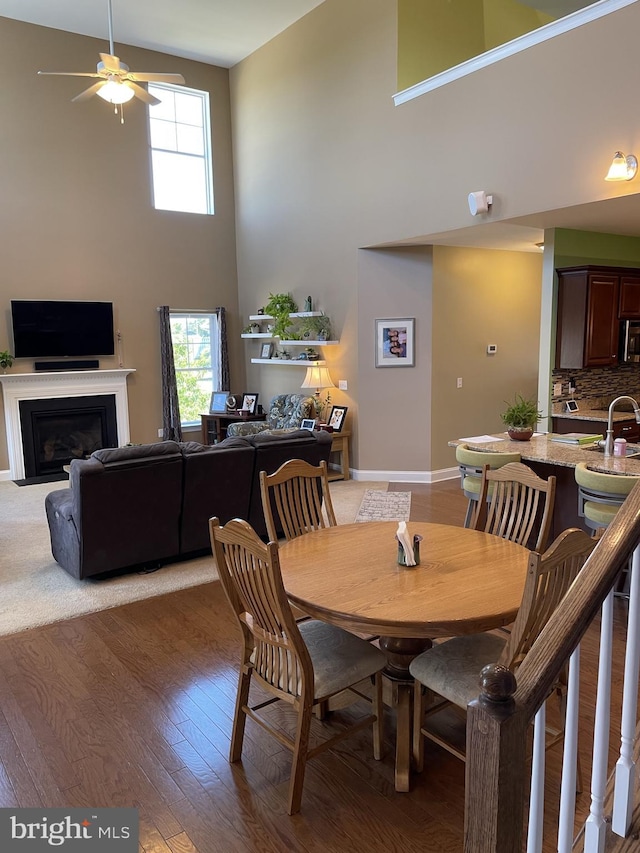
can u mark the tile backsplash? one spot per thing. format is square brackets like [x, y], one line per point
[598, 385]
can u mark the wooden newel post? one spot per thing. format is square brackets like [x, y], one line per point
[495, 769]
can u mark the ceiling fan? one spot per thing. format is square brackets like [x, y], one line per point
[116, 84]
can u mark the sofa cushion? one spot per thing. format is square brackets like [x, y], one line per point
[111, 455]
[217, 482]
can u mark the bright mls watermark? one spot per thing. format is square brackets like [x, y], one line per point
[69, 830]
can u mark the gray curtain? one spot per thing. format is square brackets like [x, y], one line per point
[225, 378]
[171, 428]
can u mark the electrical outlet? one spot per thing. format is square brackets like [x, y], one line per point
[160, 431]
[342, 384]
[557, 389]
[459, 382]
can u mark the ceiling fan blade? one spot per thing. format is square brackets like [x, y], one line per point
[88, 93]
[70, 73]
[153, 77]
[111, 63]
[142, 94]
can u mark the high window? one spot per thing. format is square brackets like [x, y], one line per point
[180, 141]
[197, 359]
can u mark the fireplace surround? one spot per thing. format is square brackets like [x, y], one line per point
[20, 387]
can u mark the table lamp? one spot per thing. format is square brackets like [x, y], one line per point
[318, 377]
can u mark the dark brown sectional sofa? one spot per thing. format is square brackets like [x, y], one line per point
[145, 505]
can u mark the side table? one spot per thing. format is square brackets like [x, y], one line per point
[340, 444]
[214, 426]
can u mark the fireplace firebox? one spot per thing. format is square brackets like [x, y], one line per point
[55, 431]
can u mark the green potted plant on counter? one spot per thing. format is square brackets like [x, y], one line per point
[520, 417]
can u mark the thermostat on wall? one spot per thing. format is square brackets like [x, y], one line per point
[571, 405]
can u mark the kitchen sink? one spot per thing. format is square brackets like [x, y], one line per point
[632, 449]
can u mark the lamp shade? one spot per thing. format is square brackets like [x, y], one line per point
[115, 93]
[622, 168]
[317, 377]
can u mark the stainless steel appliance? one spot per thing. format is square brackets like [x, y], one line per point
[630, 341]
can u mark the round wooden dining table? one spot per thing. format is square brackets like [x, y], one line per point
[466, 582]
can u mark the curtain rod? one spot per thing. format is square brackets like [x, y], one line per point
[190, 310]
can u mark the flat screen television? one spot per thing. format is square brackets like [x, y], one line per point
[56, 328]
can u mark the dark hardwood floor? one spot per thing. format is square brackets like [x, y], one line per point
[133, 707]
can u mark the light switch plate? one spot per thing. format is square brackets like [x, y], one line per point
[342, 384]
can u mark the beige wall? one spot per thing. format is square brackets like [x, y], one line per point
[481, 297]
[77, 221]
[327, 166]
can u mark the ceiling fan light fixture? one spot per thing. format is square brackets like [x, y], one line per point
[115, 92]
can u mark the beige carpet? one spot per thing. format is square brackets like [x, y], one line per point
[34, 590]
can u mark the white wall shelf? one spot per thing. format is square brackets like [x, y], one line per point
[256, 335]
[302, 362]
[259, 317]
[307, 342]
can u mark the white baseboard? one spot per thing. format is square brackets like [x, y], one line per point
[406, 476]
[5, 475]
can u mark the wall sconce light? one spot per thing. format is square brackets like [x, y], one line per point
[540, 246]
[479, 202]
[622, 168]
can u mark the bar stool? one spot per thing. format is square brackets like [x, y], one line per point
[600, 496]
[470, 464]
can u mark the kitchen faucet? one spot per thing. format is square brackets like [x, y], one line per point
[608, 442]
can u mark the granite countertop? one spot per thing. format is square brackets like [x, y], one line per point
[596, 415]
[540, 448]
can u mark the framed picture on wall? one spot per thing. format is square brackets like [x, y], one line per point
[395, 342]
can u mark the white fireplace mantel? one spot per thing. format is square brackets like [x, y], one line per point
[66, 383]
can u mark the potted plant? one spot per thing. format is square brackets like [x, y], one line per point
[279, 306]
[6, 360]
[316, 328]
[520, 417]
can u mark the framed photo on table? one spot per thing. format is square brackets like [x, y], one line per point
[395, 342]
[249, 403]
[336, 419]
[308, 423]
[218, 402]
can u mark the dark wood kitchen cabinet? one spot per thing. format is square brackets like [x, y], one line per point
[588, 323]
[630, 297]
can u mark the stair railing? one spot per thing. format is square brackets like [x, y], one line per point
[498, 721]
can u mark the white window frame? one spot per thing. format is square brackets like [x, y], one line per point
[215, 360]
[206, 157]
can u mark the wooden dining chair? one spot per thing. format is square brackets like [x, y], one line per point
[516, 504]
[301, 664]
[470, 464]
[448, 674]
[298, 495]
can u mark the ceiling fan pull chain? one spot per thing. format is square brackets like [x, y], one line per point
[121, 113]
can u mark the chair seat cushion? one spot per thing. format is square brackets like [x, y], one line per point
[601, 514]
[339, 658]
[452, 669]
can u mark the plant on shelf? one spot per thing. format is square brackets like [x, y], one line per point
[6, 359]
[520, 417]
[279, 306]
[317, 328]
